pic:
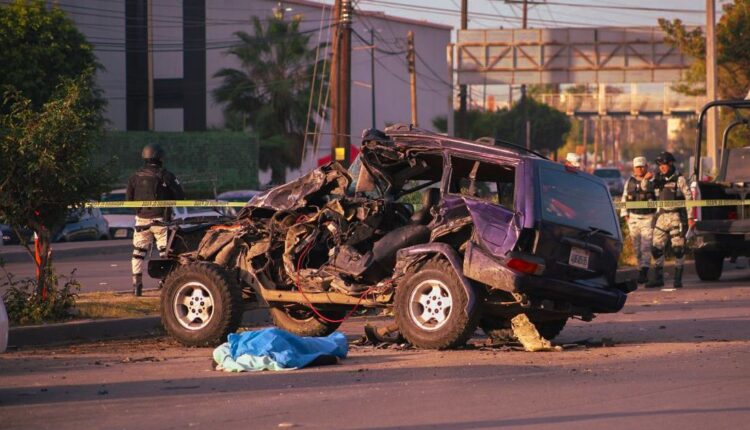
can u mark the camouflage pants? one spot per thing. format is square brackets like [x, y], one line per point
[641, 233]
[668, 229]
[143, 239]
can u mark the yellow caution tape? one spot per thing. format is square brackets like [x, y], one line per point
[167, 204]
[671, 204]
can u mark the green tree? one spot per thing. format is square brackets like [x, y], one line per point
[732, 51]
[548, 125]
[732, 59]
[270, 92]
[45, 162]
[40, 48]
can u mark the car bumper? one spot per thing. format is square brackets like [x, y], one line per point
[596, 295]
[598, 298]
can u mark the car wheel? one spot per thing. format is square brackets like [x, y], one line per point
[499, 329]
[302, 321]
[431, 308]
[709, 265]
[201, 304]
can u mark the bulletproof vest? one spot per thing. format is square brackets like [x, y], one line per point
[668, 189]
[634, 193]
[149, 184]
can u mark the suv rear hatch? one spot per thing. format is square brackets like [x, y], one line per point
[578, 233]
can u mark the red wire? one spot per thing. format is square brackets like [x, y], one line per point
[309, 303]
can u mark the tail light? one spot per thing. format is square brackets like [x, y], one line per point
[732, 215]
[525, 266]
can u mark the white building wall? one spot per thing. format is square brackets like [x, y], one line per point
[104, 27]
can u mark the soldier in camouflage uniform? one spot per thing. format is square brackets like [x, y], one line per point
[150, 182]
[639, 188]
[669, 227]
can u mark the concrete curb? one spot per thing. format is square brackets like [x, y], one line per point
[94, 330]
[60, 251]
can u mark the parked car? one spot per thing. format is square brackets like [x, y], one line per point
[236, 196]
[501, 231]
[613, 178]
[9, 237]
[722, 231]
[121, 220]
[83, 224]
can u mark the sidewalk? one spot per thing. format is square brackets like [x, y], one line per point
[69, 250]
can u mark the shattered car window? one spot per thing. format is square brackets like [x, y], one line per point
[489, 182]
[576, 200]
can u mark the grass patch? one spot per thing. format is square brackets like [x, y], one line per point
[115, 305]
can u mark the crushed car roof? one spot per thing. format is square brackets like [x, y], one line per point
[408, 135]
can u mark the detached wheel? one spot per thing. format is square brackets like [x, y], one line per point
[499, 329]
[201, 304]
[709, 265]
[431, 308]
[302, 321]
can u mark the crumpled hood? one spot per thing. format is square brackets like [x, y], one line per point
[310, 189]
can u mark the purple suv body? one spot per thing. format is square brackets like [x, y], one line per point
[449, 233]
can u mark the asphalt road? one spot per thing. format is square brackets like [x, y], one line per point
[98, 272]
[679, 360]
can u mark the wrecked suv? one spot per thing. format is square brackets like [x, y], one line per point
[450, 234]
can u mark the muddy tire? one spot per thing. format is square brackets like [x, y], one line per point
[431, 310]
[709, 265]
[550, 329]
[499, 329]
[201, 304]
[301, 321]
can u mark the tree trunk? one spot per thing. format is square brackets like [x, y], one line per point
[42, 254]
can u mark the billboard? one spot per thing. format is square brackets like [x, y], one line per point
[567, 56]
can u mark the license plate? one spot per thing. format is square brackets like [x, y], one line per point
[579, 258]
[122, 232]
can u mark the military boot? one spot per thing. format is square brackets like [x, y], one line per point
[643, 275]
[658, 280]
[678, 277]
[138, 285]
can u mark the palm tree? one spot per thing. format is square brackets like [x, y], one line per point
[270, 92]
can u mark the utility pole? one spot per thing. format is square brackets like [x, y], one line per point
[372, 75]
[341, 83]
[712, 135]
[527, 124]
[461, 126]
[150, 63]
[451, 117]
[410, 58]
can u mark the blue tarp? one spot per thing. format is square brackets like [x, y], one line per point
[276, 349]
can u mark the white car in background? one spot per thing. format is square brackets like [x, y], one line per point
[122, 220]
[236, 196]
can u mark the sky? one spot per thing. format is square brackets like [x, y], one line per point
[488, 14]
[545, 13]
